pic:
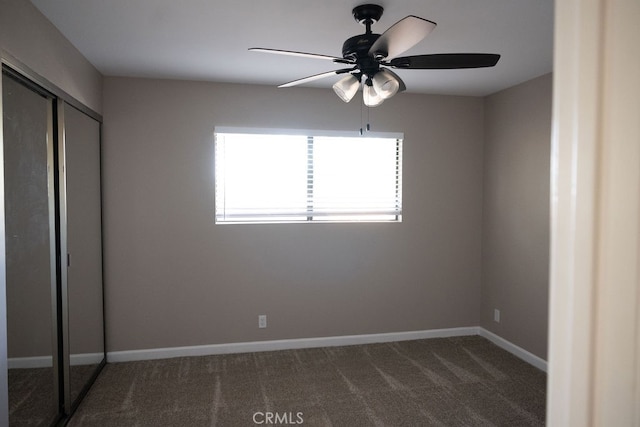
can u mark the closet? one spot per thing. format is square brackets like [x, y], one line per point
[55, 345]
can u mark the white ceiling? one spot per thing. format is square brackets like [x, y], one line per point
[208, 39]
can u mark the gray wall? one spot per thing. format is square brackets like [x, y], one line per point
[516, 213]
[173, 278]
[31, 38]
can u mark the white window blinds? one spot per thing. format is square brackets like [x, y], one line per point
[272, 177]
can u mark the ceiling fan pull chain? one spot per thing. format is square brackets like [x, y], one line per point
[361, 116]
[364, 127]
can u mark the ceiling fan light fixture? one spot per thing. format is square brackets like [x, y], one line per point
[346, 87]
[372, 56]
[385, 84]
[370, 97]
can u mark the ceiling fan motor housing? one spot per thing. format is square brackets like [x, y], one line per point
[358, 46]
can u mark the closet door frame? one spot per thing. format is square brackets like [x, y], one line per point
[64, 262]
[58, 228]
[4, 368]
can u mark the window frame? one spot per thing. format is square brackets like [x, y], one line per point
[310, 134]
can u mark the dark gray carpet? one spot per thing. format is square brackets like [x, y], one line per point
[31, 394]
[31, 400]
[462, 381]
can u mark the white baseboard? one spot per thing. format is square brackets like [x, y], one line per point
[30, 362]
[86, 359]
[520, 352]
[258, 346]
[47, 361]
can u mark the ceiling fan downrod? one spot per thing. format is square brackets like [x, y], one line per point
[367, 15]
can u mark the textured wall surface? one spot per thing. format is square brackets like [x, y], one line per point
[174, 278]
[516, 214]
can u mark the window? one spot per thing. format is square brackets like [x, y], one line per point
[284, 176]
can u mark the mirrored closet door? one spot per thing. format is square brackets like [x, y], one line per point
[30, 244]
[53, 240]
[82, 227]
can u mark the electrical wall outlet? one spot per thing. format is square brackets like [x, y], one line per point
[496, 315]
[262, 321]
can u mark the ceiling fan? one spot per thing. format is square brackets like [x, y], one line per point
[368, 55]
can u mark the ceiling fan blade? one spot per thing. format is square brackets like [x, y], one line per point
[316, 77]
[301, 54]
[446, 61]
[401, 36]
